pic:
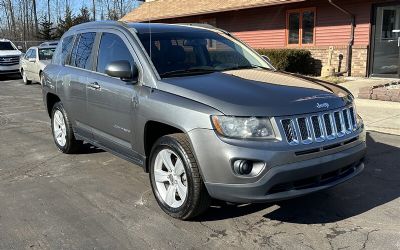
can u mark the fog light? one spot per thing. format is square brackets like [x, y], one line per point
[243, 167]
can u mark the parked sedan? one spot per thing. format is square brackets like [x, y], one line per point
[34, 61]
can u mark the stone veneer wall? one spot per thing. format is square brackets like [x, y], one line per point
[359, 62]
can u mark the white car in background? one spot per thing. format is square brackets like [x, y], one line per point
[9, 57]
[34, 62]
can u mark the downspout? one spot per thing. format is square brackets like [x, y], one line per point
[351, 41]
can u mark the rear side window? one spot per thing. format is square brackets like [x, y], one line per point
[112, 48]
[63, 52]
[82, 51]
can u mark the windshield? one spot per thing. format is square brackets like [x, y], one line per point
[6, 46]
[46, 54]
[197, 52]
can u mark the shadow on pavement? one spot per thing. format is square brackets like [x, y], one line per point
[87, 148]
[376, 185]
[10, 77]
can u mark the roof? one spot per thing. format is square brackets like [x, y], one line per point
[165, 9]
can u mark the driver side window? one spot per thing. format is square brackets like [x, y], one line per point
[33, 54]
[28, 53]
[112, 48]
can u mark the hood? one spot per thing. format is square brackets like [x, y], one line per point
[10, 53]
[258, 92]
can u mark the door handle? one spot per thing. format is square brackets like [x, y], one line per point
[94, 85]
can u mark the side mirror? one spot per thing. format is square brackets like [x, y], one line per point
[122, 69]
[19, 47]
[31, 59]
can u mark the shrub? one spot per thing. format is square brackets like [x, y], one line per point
[291, 60]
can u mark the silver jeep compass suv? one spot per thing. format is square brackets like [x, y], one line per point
[200, 111]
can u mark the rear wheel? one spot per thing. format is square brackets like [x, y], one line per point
[62, 130]
[25, 77]
[175, 179]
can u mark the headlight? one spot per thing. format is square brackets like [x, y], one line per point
[359, 120]
[243, 127]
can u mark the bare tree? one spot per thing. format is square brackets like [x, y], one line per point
[35, 16]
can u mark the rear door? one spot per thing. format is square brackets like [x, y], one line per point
[111, 100]
[75, 75]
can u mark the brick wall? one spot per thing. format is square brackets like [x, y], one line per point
[359, 59]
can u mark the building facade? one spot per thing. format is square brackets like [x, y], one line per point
[356, 37]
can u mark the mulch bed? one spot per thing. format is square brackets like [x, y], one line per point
[383, 92]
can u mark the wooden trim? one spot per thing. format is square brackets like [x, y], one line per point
[300, 11]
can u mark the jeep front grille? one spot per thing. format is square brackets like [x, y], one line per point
[306, 129]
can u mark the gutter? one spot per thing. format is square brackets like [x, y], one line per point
[351, 41]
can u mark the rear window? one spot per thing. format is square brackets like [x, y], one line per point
[6, 46]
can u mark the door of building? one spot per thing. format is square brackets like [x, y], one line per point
[386, 41]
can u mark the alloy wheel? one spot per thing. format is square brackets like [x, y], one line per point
[59, 128]
[170, 178]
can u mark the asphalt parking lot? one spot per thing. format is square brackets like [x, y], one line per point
[94, 200]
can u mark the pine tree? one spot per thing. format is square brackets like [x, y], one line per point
[46, 30]
[65, 23]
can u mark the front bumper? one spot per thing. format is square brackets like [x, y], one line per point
[286, 175]
[12, 69]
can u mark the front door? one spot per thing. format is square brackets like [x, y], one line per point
[386, 41]
[110, 100]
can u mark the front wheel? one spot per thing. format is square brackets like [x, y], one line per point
[62, 130]
[25, 77]
[175, 179]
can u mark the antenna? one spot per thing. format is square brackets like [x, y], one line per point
[149, 21]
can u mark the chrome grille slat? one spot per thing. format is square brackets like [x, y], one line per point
[9, 60]
[306, 129]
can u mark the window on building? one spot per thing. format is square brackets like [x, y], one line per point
[300, 26]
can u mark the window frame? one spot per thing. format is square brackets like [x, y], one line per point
[131, 47]
[300, 11]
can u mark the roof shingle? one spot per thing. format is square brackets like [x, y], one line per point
[164, 9]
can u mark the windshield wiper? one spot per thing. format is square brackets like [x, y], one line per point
[191, 71]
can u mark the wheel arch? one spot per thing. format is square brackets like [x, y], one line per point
[153, 130]
[51, 99]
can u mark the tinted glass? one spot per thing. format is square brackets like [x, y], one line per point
[46, 54]
[112, 48]
[308, 27]
[294, 27]
[195, 52]
[6, 46]
[63, 53]
[81, 53]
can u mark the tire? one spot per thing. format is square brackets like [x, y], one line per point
[60, 124]
[25, 77]
[41, 78]
[197, 199]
